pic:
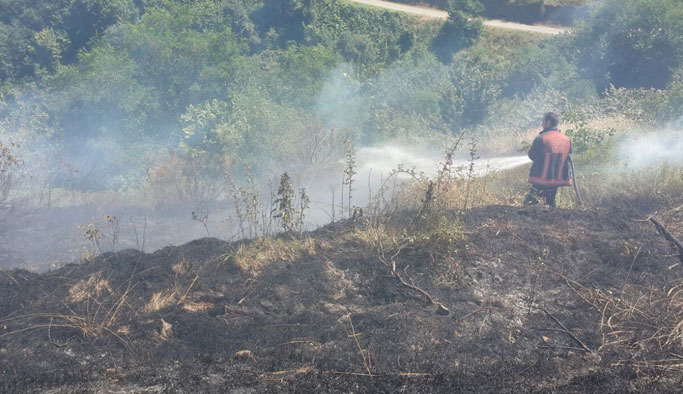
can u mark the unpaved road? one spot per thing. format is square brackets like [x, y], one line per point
[432, 13]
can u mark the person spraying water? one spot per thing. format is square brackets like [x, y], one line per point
[551, 156]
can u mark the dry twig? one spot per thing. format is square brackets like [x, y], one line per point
[669, 237]
[366, 358]
[566, 330]
[9, 276]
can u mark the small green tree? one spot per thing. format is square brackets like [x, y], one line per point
[461, 30]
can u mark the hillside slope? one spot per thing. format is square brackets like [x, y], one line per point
[524, 300]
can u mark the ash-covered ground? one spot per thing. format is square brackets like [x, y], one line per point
[522, 300]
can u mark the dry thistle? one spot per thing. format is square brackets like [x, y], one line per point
[304, 204]
[284, 203]
[202, 215]
[350, 170]
[8, 161]
[92, 233]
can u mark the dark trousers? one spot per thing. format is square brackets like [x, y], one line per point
[548, 193]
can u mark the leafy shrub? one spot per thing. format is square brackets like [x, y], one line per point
[584, 137]
[641, 105]
[367, 37]
[209, 127]
[543, 67]
[461, 30]
[630, 43]
[40, 35]
[477, 86]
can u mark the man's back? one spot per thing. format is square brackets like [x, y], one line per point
[549, 152]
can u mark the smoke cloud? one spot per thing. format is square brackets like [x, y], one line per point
[653, 149]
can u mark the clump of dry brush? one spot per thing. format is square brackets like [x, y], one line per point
[8, 165]
[643, 324]
[93, 309]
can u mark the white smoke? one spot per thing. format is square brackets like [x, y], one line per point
[652, 149]
[337, 103]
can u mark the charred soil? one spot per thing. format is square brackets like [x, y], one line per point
[522, 300]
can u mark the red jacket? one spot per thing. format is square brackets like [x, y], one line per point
[550, 152]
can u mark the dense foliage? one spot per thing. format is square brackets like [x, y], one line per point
[129, 81]
[633, 43]
[36, 36]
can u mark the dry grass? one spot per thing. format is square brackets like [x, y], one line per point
[96, 309]
[364, 353]
[643, 324]
[257, 255]
[177, 295]
[182, 267]
[93, 288]
[165, 332]
[93, 308]
[641, 191]
[160, 300]
[196, 306]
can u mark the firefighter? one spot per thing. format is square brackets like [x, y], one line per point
[549, 152]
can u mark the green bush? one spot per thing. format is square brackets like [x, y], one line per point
[630, 43]
[543, 67]
[36, 36]
[585, 138]
[461, 30]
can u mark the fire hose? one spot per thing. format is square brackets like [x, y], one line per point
[576, 186]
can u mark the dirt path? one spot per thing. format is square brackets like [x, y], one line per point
[432, 13]
[410, 9]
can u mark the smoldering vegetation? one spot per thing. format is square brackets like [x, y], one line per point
[348, 186]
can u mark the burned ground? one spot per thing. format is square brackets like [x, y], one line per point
[538, 301]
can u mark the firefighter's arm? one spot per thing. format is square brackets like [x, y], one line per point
[536, 149]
